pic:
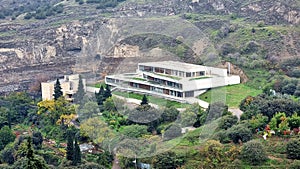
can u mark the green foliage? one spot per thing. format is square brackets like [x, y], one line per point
[270, 105]
[213, 151]
[187, 118]
[57, 90]
[6, 136]
[7, 155]
[37, 139]
[70, 145]
[167, 160]
[258, 122]
[30, 161]
[89, 110]
[77, 153]
[253, 153]
[78, 96]
[172, 131]
[227, 121]
[294, 121]
[239, 133]
[293, 149]
[169, 114]
[134, 131]
[144, 100]
[105, 159]
[107, 92]
[216, 110]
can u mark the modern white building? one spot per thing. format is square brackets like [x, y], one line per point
[69, 86]
[172, 80]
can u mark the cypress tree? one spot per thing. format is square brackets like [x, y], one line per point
[57, 90]
[107, 92]
[144, 100]
[77, 153]
[100, 96]
[78, 96]
[70, 145]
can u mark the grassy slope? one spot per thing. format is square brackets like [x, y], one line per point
[234, 94]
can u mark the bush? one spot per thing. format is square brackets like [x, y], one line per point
[295, 165]
[293, 149]
[172, 132]
[228, 121]
[253, 153]
[239, 133]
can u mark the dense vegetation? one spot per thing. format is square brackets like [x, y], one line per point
[32, 9]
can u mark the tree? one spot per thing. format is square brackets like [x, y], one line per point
[96, 129]
[253, 153]
[144, 100]
[293, 149]
[228, 121]
[187, 118]
[294, 121]
[89, 110]
[100, 95]
[135, 131]
[37, 139]
[78, 96]
[70, 145]
[289, 89]
[77, 153]
[239, 133]
[30, 161]
[213, 151]
[6, 136]
[169, 114]
[172, 132]
[107, 92]
[166, 160]
[216, 110]
[7, 155]
[57, 90]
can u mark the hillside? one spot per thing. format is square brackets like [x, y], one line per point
[259, 34]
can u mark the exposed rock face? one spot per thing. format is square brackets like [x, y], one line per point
[124, 50]
[62, 44]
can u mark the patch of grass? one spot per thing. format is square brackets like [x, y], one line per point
[199, 78]
[234, 94]
[152, 99]
[97, 85]
[139, 79]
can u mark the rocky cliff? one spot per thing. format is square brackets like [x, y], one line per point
[86, 39]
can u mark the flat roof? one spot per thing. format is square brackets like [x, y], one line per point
[175, 65]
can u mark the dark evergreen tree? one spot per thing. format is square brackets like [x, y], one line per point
[144, 100]
[37, 139]
[100, 96]
[70, 145]
[78, 96]
[57, 90]
[77, 153]
[107, 92]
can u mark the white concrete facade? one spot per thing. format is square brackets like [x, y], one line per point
[172, 80]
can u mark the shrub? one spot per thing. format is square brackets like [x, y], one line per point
[239, 133]
[172, 132]
[228, 121]
[253, 153]
[293, 149]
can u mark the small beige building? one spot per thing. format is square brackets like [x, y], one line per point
[69, 86]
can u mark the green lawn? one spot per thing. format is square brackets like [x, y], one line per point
[155, 100]
[233, 95]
